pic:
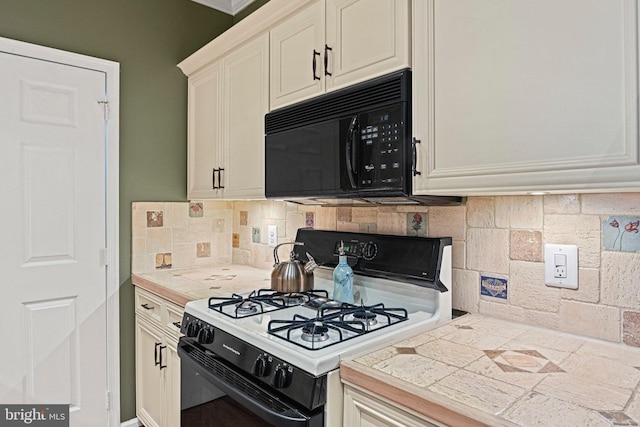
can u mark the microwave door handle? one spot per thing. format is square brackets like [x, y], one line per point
[350, 151]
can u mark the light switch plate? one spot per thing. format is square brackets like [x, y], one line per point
[555, 273]
[272, 235]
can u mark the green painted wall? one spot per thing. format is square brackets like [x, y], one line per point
[148, 38]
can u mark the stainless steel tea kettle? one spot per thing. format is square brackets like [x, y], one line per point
[292, 276]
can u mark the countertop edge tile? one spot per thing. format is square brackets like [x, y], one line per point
[165, 292]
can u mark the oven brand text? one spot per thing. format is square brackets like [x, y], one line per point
[231, 349]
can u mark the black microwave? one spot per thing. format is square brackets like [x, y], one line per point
[349, 147]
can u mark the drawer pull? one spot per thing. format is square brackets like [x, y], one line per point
[177, 325]
[147, 306]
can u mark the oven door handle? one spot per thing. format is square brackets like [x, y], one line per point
[293, 418]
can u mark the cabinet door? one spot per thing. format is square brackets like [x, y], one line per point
[297, 61]
[172, 383]
[367, 410]
[204, 133]
[531, 96]
[149, 384]
[246, 100]
[367, 38]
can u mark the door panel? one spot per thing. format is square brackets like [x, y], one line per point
[52, 133]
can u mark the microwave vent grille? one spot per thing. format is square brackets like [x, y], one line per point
[389, 89]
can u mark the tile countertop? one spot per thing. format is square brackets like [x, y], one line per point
[498, 372]
[183, 285]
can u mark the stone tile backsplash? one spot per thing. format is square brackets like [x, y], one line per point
[500, 238]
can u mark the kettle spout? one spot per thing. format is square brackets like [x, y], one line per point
[311, 264]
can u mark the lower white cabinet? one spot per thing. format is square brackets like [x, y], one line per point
[157, 361]
[366, 409]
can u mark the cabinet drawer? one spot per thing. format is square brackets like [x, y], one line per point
[149, 306]
[172, 318]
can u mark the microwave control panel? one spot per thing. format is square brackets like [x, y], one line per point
[381, 149]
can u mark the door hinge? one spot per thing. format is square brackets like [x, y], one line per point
[105, 105]
[108, 400]
[104, 256]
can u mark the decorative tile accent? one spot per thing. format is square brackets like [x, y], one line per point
[244, 217]
[163, 260]
[255, 234]
[406, 350]
[618, 418]
[235, 240]
[344, 214]
[631, 328]
[217, 277]
[529, 361]
[493, 287]
[203, 250]
[309, 219]
[417, 224]
[196, 210]
[218, 225]
[621, 234]
[155, 218]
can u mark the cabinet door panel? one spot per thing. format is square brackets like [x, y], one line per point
[367, 38]
[148, 375]
[246, 100]
[172, 383]
[204, 153]
[363, 409]
[532, 96]
[293, 44]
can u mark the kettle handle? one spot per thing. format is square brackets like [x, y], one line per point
[275, 250]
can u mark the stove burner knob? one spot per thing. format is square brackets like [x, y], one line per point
[205, 336]
[282, 376]
[193, 329]
[262, 366]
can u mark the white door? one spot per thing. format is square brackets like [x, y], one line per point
[52, 216]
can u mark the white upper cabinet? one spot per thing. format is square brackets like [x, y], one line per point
[245, 102]
[297, 46]
[516, 96]
[205, 134]
[227, 103]
[334, 43]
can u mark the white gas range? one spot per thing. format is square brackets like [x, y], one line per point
[276, 355]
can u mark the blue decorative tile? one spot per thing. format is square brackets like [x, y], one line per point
[620, 233]
[493, 287]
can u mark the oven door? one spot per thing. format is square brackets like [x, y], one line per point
[213, 393]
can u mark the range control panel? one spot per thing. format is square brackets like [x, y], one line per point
[357, 249]
[382, 149]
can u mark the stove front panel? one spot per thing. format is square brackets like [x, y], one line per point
[274, 372]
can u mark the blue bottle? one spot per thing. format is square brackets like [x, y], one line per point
[342, 278]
